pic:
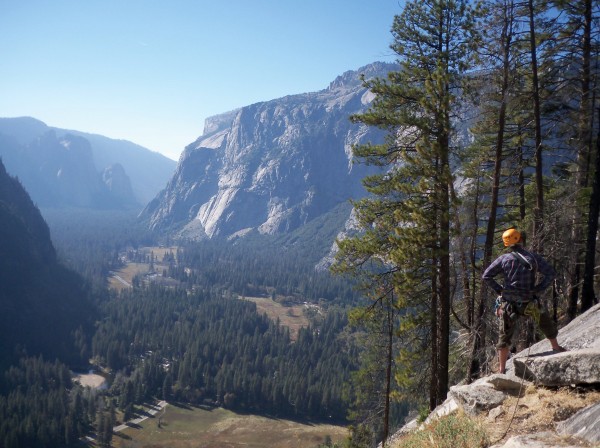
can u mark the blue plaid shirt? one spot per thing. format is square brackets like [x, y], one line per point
[519, 276]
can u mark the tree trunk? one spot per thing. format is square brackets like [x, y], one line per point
[473, 255]
[538, 214]
[588, 297]
[583, 155]
[388, 372]
[433, 386]
[478, 335]
[464, 265]
[521, 179]
[444, 288]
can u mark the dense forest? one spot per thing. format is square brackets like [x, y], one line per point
[198, 343]
[212, 350]
[41, 407]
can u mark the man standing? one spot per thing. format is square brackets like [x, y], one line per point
[518, 292]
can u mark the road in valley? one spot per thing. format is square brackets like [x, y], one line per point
[120, 279]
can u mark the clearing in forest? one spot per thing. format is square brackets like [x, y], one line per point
[123, 278]
[292, 317]
[194, 427]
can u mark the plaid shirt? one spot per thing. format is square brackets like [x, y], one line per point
[519, 277]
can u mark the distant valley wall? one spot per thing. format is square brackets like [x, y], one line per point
[61, 168]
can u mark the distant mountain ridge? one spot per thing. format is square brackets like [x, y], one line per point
[75, 169]
[41, 303]
[270, 167]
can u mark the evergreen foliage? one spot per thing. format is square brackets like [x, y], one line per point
[45, 308]
[406, 221]
[373, 382]
[40, 407]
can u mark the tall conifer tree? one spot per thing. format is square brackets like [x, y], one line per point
[406, 221]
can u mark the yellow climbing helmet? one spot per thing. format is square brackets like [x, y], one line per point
[510, 237]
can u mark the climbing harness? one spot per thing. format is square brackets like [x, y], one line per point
[512, 307]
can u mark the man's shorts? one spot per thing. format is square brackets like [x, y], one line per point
[512, 311]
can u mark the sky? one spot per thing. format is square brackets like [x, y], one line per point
[152, 71]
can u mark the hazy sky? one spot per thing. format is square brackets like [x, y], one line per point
[151, 71]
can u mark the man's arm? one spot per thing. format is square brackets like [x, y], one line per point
[493, 270]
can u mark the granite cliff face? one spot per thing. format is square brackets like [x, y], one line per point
[118, 184]
[269, 167]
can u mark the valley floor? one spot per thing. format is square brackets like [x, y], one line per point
[182, 426]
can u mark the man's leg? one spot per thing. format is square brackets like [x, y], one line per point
[502, 358]
[550, 330]
[555, 345]
[507, 328]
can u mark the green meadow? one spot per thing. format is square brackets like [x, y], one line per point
[184, 427]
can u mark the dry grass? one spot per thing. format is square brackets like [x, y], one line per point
[127, 273]
[289, 316]
[190, 428]
[92, 380]
[538, 410]
[453, 431]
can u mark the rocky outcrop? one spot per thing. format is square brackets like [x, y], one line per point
[581, 337]
[563, 369]
[270, 167]
[484, 394]
[584, 424]
[538, 366]
[118, 184]
[148, 171]
[544, 439]
[350, 227]
[58, 171]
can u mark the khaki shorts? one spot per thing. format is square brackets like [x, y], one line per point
[512, 311]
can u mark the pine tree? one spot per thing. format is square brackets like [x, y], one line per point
[167, 388]
[406, 223]
[494, 131]
[577, 45]
[373, 381]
